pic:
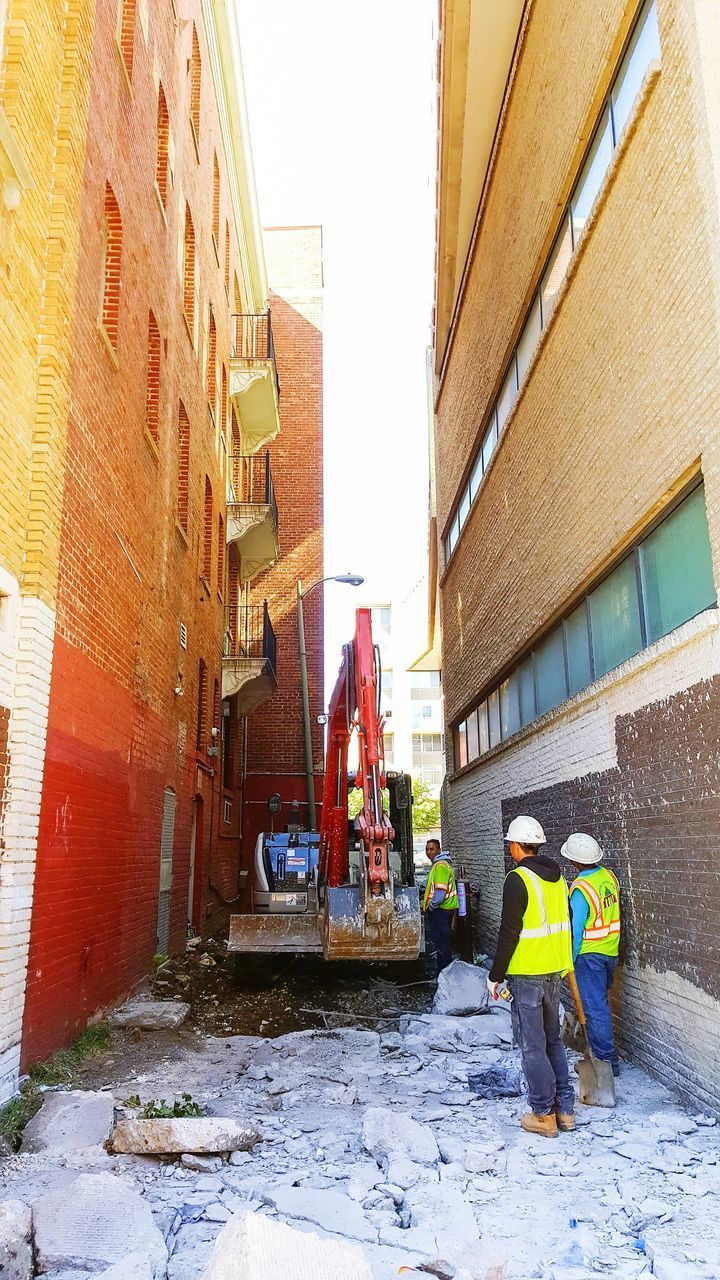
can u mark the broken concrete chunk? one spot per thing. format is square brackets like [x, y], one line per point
[150, 1015]
[93, 1223]
[16, 1260]
[201, 1164]
[70, 1121]
[255, 1247]
[330, 1210]
[183, 1135]
[134, 1267]
[396, 1135]
[461, 989]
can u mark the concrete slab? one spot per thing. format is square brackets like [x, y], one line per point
[94, 1223]
[256, 1248]
[461, 989]
[70, 1121]
[134, 1267]
[185, 1134]
[16, 1260]
[150, 1015]
[396, 1135]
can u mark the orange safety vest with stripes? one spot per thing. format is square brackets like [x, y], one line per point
[601, 891]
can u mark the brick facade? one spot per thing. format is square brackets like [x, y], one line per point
[275, 755]
[620, 407]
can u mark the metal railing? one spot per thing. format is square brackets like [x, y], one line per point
[252, 482]
[249, 634]
[252, 339]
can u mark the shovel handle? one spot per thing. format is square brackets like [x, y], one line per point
[572, 983]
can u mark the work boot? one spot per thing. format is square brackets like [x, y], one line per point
[566, 1122]
[545, 1125]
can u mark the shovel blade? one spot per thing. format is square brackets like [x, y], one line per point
[597, 1083]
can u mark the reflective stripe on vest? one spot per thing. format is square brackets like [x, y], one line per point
[603, 922]
[545, 943]
[450, 888]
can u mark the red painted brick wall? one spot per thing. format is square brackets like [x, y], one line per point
[117, 733]
[275, 757]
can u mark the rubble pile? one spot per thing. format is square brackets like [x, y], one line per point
[349, 1153]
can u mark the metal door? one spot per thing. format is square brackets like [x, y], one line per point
[166, 856]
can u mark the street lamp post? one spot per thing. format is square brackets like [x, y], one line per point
[350, 580]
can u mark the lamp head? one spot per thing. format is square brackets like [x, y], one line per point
[350, 579]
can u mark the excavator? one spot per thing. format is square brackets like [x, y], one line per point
[348, 889]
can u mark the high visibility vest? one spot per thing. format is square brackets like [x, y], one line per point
[545, 943]
[601, 891]
[442, 876]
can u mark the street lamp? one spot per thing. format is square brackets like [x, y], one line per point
[349, 580]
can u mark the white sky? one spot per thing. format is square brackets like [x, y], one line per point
[341, 102]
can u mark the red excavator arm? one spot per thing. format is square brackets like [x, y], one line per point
[355, 705]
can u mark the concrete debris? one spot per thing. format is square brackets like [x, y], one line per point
[92, 1224]
[461, 989]
[256, 1248]
[201, 1164]
[69, 1122]
[395, 1135]
[136, 1266]
[16, 1256]
[150, 1015]
[184, 1135]
[327, 1209]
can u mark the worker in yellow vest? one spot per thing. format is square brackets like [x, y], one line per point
[595, 918]
[440, 902]
[534, 953]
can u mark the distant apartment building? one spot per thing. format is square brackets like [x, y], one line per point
[577, 445]
[143, 396]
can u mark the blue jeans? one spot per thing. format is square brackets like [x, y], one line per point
[595, 973]
[536, 1024]
[438, 923]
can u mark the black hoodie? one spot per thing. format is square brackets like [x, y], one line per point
[514, 905]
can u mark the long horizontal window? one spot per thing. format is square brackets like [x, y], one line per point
[643, 49]
[663, 581]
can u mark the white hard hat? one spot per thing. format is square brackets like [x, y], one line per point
[582, 848]
[524, 830]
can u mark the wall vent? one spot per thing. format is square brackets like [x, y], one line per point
[183, 636]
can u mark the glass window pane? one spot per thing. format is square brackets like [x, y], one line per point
[528, 339]
[615, 618]
[449, 545]
[555, 270]
[483, 733]
[461, 745]
[643, 49]
[577, 643]
[508, 392]
[493, 706]
[489, 442]
[510, 706]
[550, 682]
[591, 178]
[476, 476]
[676, 568]
[526, 680]
[473, 745]
[464, 507]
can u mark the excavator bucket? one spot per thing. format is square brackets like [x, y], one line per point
[390, 929]
[272, 933]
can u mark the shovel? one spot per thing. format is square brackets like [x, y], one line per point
[597, 1082]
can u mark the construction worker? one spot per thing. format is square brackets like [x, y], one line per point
[439, 902]
[595, 918]
[534, 952]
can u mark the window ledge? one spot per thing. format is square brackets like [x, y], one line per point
[205, 585]
[121, 60]
[195, 139]
[705, 623]
[108, 343]
[152, 444]
[161, 206]
[181, 533]
[189, 330]
[14, 172]
[220, 597]
[215, 247]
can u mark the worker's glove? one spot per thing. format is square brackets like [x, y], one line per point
[498, 991]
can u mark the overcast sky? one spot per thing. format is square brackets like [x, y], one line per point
[341, 101]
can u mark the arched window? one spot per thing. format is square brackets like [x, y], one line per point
[221, 557]
[163, 136]
[183, 468]
[201, 706]
[208, 532]
[189, 270]
[195, 79]
[111, 258]
[152, 396]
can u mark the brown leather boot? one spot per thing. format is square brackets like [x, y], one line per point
[545, 1125]
[565, 1121]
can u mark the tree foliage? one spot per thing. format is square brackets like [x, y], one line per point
[426, 809]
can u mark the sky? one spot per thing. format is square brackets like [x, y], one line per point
[342, 117]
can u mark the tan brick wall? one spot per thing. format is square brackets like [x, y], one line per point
[624, 396]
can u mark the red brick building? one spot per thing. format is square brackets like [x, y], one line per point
[173, 394]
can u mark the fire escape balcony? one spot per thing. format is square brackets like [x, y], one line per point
[252, 515]
[254, 386]
[249, 657]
